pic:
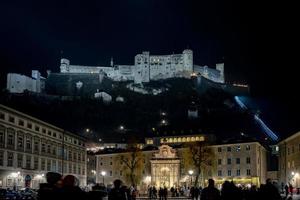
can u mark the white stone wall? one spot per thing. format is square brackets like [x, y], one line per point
[17, 83]
[151, 67]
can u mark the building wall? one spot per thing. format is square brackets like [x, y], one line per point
[289, 160]
[253, 151]
[244, 163]
[17, 83]
[32, 147]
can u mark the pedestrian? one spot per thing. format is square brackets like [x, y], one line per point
[210, 192]
[116, 193]
[51, 189]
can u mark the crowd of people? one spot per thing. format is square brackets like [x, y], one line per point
[68, 188]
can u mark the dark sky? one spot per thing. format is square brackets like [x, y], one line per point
[255, 40]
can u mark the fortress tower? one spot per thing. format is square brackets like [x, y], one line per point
[188, 60]
[64, 65]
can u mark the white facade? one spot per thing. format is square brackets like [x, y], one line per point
[149, 67]
[30, 148]
[17, 83]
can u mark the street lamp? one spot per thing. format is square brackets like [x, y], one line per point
[103, 173]
[191, 173]
[121, 127]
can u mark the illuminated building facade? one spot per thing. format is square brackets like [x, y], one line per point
[29, 148]
[242, 163]
[289, 160]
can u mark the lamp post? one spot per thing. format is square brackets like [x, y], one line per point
[191, 173]
[103, 173]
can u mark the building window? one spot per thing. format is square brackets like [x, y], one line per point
[36, 163]
[238, 172]
[219, 172]
[28, 143]
[110, 163]
[49, 149]
[293, 149]
[29, 125]
[2, 116]
[36, 146]
[238, 161]
[70, 168]
[121, 173]
[74, 169]
[110, 173]
[49, 133]
[2, 136]
[288, 151]
[54, 165]
[79, 169]
[229, 149]
[43, 164]
[20, 160]
[10, 159]
[54, 134]
[79, 157]
[1, 157]
[43, 148]
[37, 128]
[43, 130]
[238, 148]
[229, 172]
[229, 161]
[219, 149]
[20, 142]
[101, 164]
[28, 162]
[248, 147]
[11, 119]
[248, 172]
[10, 137]
[219, 161]
[21, 122]
[70, 155]
[248, 160]
[48, 165]
[74, 156]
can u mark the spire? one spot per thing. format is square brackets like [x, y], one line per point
[111, 61]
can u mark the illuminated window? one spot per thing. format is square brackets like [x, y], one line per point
[229, 172]
[201, 138]
[175, 139]
[170, 140]
[183, 139]
[188, 139]
[193, 139]
[179, 139]
[197, 138]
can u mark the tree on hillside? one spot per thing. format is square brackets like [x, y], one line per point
[199, 157]
[132, 163]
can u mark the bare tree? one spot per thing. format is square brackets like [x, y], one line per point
[198, 156]
[132, 163]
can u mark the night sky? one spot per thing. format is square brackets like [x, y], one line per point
[254, 40]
